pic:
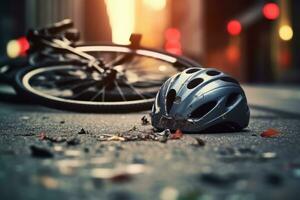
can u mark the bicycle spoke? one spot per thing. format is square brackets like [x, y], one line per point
[120, 91]
[97, 94]
[82, 86]
[135, 90]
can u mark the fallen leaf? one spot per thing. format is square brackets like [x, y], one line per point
[42, 136]
[177, 135]
[270, 133]
[116, 138]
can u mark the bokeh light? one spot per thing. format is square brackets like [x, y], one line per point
[155, 4]
[13, 49]
[122, 19]
[234, 27]
[271, 11]
[286, 32]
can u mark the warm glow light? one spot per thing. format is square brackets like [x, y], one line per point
[122, 19]
[271, 11]
[233, 53]
[234, 27]
[13, 49]
[286, 32]
[155, 4]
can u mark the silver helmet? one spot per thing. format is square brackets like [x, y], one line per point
[199, 99]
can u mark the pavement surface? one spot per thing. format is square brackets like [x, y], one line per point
[44, 153]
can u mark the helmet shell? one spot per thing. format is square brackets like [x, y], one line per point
[200, 99]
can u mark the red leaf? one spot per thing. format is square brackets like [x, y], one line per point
[42, 136]
[270, 133]
[177, 135]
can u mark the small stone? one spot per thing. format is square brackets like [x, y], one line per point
[145, 121]
[163, 139]
[82, 131]
[200, 142]
[62, 122]
[73, 141]
[39, 152]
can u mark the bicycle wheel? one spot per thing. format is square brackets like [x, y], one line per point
[140, 73]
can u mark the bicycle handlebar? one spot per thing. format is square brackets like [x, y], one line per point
[59, 27]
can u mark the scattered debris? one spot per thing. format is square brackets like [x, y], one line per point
[73, 141]
[116, 138]
[270, 133]
[134, 128]
[145, 121]
[54, 139]
[177, 135]
[200, 142]
[166, 132]
[39, 152]
[82, 131]
[164, 136]
[141, 135]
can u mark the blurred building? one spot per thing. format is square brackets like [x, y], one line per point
[247, 39]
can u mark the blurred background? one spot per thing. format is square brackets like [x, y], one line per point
[256, 41]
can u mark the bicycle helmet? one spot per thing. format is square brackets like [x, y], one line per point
[199, 99]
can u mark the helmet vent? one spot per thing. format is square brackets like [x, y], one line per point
[192, 70]
[170, 99]
[203, 109]
[230, 80]
[213, 73]
[232, 99]
[194, 83]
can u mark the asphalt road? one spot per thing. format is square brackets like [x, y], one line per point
[43, 156]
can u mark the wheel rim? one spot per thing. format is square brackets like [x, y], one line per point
[51, 82]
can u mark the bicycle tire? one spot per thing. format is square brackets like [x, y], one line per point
[95, 107]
